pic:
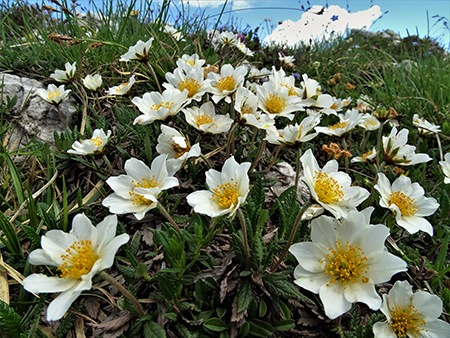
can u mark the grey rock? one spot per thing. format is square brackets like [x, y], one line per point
[33, 117]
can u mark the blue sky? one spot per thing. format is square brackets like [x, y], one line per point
[401, 16]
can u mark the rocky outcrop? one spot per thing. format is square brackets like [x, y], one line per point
[31, 116]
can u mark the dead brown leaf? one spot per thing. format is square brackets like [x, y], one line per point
[92, 306]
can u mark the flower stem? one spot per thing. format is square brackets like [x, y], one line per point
[380, 134]
[208, 164]
[252, 142]
[244, 232]
[274, 158]
[61, 116]
[372, 191]
[231, 138]
[439, 146]
[291, 237]
[168, 217]
[108, 164]
[299, 165]
[124, 291]
[154, 76]
[344, 143]
[261, 148]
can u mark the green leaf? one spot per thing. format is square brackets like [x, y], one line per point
[215, 324]
[277, 285]
[284, 325]
[440, 260]
[284, 309]
[444, 202]
[243, 331]
[10, 320]
[154, 330]
[31, 234]
[244, 296]
[258, 250]
[259, 328]
[183, 332]
[262, 308]
[10, 239]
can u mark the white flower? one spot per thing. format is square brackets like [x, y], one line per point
[369, 122]
[331, 188]
[78, 256]
[187, 61]
[92, 146]
[157, 106]
[369, 157]
[244, 49]
[446, 168]
[347, 123]
[227, 82]
[246, 104]
[53, 94]
[173, 32]
[397, 152]
[93, 82]
[228, 190]
[205, 119]
[191, 79]
[122, 89]
[279, 79]
[277, 101]
[64, 76]
[339, 104]
[289, 60]
[295, 134]
[424, 126]
[408, 203]
[228, 38]
[140, 51]
[344, 261]
[177, 148]
[313, 97]
[412, 315]
[139, 189]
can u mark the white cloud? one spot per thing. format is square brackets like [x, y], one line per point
[239, 4]
[316, 27]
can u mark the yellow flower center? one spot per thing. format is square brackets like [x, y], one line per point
[292, 91]
[406, 204]
[179, 150]
[97, 141]
[190, 62]
[275, 104]
[78, 261]
[203, 119]
[365, 155]
[370, 123]
[119, 88]
[191, 85]
[226, 83]
[54, 93]
[300, 133]
[246, 110]
[146, 183]
[340, 125]
[327, 189]
[333, 106]
[226, 195]
[346, 264]
[167, 105]
[406, 320]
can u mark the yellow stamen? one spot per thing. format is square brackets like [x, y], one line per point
[119, 88]
[226, 83]
[365, 155]
[167, 105]
[406, 321]
[53, 94]
[78, 261]
[97, 141]
[340, 125]
[191, 85]
[146, 183]
[406, 204]
[292, 91]
[346, 264]
[179, 150]
[203, 119]
[226, 195]
[275, 104]
[327, 189]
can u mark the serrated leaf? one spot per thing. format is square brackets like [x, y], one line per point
[244, 296]
[10, 320]
[258, 250]
[215, 324]
[183, 332]
[277, 285]
[154, 330]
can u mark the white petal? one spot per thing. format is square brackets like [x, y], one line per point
[59, 306]
[387, 266]
[203, 203]
[428, 305]
[363, 292]
[310, 256]
[108, 253]
[323, 231]
[106, 230]
[310, 281]
[137, 169]
[40, 257]
[83, 229]
[334, 302]
[383, 330]
[39, 283]
[436, 329]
